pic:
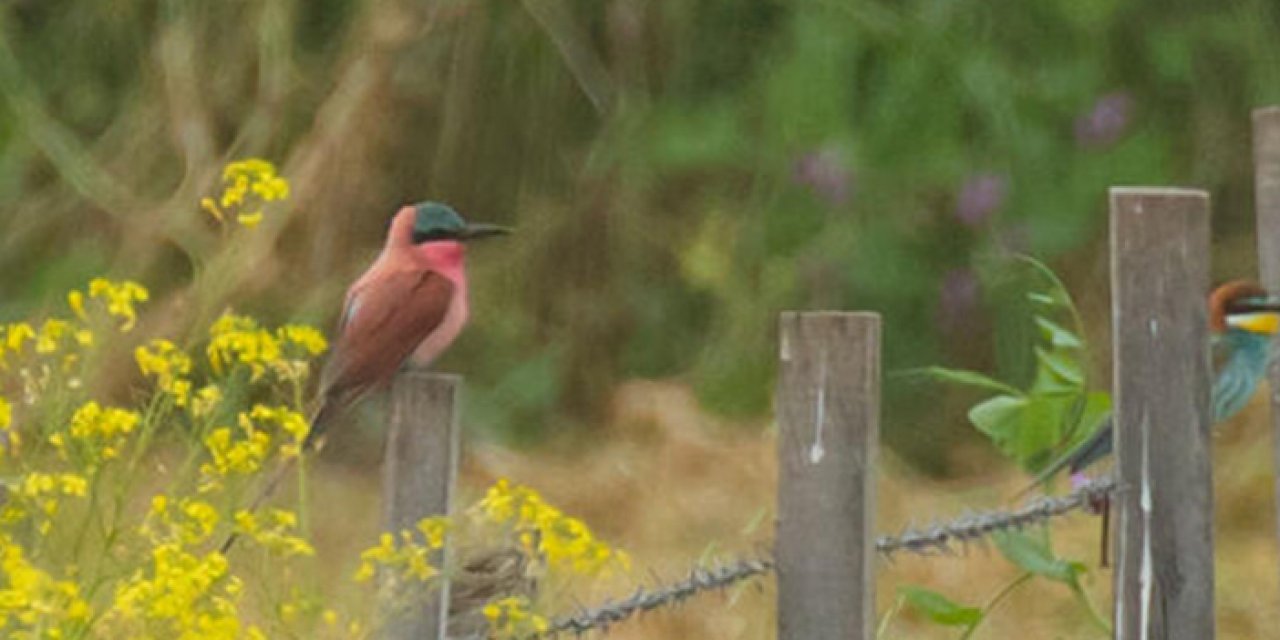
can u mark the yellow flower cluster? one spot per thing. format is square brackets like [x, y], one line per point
[274, 532]
[232, 456]
[512, 618]
[289, 422]
[37, 496]
[183, 595]
[169, 365]
[240, 340]
[242, 451]
[566, 542]
[96, 433]
[246, 186]
[9, 437]
[32, 603]
[117, 298]
[411, 558]
[188, 522]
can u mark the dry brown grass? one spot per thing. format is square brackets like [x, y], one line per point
[672, 485]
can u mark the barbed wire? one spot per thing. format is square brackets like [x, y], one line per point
[977, 526]
[699, 580]
[926, 541]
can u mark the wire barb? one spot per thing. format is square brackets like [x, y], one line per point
[941, 538]
[936, 539]
[700, 579]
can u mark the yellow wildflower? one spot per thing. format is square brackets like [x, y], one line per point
[192, 522]
[205, 400]
[32, 600]
[232, 456]
[250, 220]
[75, 300]
[119, 298]
[51, 334]
[98, 432]
[290, 422]
[511, 618]
[433, 530]
[169, 365]
[16, 335]
[183, 594]
[278, 537]
[239, 340]
[246, 186]
[566, 542]
[307, 338]
[212, 209]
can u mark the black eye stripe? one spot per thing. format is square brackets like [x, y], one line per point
[434, 234]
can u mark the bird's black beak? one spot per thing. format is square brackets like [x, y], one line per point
[480, 230]
[1256, 304]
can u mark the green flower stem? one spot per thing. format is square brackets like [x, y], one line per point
[995, 600]
[1094, 615]
[889, 615]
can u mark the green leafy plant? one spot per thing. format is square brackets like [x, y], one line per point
[1031, 425]
[1057, 409]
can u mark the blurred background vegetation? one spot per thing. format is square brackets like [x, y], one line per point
[679, 171]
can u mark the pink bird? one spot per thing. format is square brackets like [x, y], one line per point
[410, 305]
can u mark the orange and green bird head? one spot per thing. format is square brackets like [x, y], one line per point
[434, 221]
[1241, 305]
[1244, 318]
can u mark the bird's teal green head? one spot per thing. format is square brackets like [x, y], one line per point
[434, 221]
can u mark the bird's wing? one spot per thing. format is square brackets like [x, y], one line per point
[381, 324]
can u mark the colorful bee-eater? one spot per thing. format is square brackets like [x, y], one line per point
[409, 305]
[1243, 319]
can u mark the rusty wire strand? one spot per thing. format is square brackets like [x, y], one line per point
[924, 541]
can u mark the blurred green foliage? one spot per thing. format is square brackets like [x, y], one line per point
[679, 171]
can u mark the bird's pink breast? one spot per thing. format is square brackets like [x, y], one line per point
[448, 259]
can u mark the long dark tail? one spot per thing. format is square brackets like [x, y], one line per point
[324, 414]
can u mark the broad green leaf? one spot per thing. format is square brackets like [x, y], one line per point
[1057, 371]
[960, 376]
[999, 417]
[1044, 423]
[940, 608]
[1024, 428]
[1057, 335]
[1032, 553]
[1096, 409]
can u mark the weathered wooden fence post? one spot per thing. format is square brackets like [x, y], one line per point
[418, 477]
[1266, 160]
[828, 411]
[1159, 276]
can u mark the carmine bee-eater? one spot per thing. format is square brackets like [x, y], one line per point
[409, 306]
[1243, 318]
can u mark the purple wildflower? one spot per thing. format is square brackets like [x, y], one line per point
[980, 196]
[1105, 123]
[825, 172]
